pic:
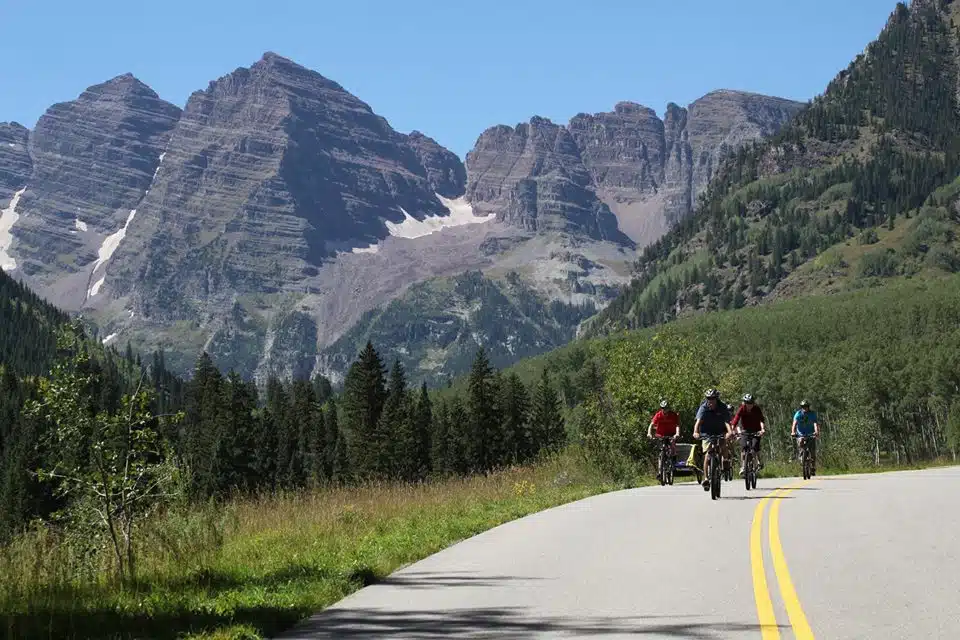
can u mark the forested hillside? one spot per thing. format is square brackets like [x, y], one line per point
[438, 325]
[216, 435]
[858, 163]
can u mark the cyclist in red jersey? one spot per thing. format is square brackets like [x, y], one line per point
[667, 423]
[749, 422]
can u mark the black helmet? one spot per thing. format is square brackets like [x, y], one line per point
[804, 404]
[711, 393]
[748, 398]
[664, 404]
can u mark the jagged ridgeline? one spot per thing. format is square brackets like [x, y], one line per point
[860, 160]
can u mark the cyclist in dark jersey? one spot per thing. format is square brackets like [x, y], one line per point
[749, 421]
[713, 419]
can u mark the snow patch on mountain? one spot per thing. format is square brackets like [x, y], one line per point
[8, 217]
[461, 213]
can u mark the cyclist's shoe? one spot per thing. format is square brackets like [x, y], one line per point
[706, 485]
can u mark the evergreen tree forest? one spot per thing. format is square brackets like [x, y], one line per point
[229, 437]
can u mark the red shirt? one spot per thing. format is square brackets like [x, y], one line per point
[749, 420]
[665, 422]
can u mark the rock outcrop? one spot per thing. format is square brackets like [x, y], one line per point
[92, 161]
[532, 176]
[645, 170]
[15, 164]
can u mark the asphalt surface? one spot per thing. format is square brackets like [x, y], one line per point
[862, 556]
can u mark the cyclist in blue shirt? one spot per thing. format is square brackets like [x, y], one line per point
[713, 419]
[805, 424]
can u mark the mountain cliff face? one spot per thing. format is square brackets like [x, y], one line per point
[15, 164]
[629, 162]
[277, 211]
[90, 162]
[532, 176]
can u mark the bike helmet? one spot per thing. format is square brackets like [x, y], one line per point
[748, 398]
[711, 393]
[804, 404]
[664, 404]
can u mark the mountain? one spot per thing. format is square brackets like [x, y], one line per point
[275, 211]
[623, 173]
[858, 189]
[438, 325]
[92, 160]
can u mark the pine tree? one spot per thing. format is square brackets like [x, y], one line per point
[458, 449]
[200, 430]
[362, 402]
[235, 456]
[516, 406]
[422, 424]
[482, 419]
[338, 463]
[395, 438]
[547, 421]
[322, 388]
[439, 440]
[272, 418]
[320, 470]
[302, 421]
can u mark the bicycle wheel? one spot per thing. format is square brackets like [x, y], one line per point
[748, 470]
[715, 472]
[755, 465]
[804, 466]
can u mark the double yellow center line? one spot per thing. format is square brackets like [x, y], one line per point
[768, 621]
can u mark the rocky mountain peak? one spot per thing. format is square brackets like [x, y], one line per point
[633, 108]
[647, 171]
[445, 172]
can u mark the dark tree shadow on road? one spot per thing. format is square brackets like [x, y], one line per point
[512, 622]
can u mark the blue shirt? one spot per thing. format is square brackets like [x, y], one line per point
[805, 422]
[714, 422]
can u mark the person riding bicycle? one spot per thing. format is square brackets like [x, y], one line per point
[749, 422]
[713, 419]
[667, 423]
[805, 424]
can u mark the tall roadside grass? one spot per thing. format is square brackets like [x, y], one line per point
[253, 567]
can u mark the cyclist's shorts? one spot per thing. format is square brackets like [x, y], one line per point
[752, 438]
[705, 446]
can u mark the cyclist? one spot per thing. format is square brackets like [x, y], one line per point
[713, 419]
[749, 422]
[805, 424]
[667, 423]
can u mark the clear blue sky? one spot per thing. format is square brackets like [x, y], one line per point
[449, 68]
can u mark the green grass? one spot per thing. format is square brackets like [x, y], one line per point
[256, 567]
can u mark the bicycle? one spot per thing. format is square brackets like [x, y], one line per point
[714, 461]
[750, 463]
[806, 462]
[665, 461]
[727, 462]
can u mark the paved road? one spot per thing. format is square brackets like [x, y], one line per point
[872, 556]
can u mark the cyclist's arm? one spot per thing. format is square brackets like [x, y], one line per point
[677, 433]
[816, 428]
[793, 428]
[650, 430]
[696, 427]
